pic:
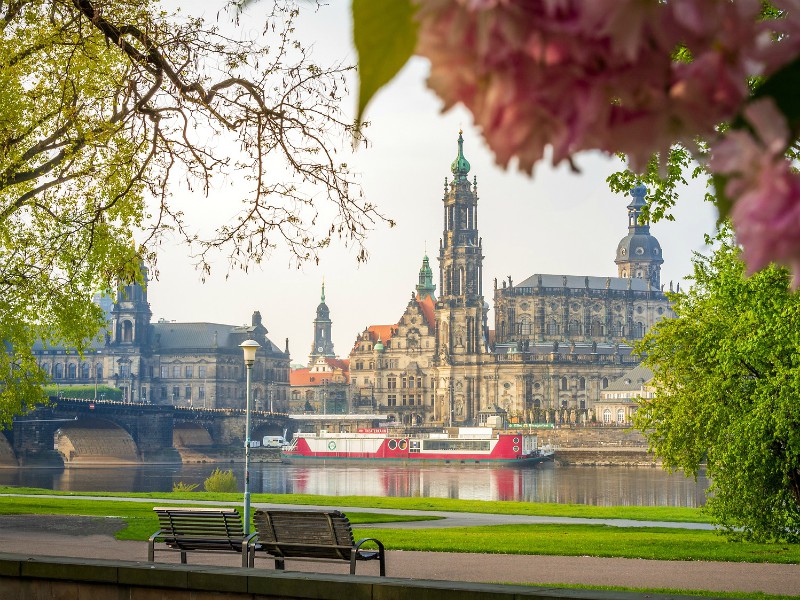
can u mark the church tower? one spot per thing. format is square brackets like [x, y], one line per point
[460, 308]
[130, 315]
[323, 345]
[425, 287]
[639, 253]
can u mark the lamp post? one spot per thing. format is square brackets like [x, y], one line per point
[249, 348]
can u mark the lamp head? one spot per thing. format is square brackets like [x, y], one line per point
[249, 348]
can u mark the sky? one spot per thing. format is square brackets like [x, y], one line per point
[556, 221]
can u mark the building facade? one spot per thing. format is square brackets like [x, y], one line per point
[557, 342]
[183, 364]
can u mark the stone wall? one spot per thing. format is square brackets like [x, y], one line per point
[598, 446]
[33, 578]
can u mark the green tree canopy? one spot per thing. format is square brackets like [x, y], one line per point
[727, 381]
[105, 105]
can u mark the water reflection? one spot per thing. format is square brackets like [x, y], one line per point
[601, 486]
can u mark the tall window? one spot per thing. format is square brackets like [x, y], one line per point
[176, 371]
[176, 392]
[164, 372]
[391, 400]
[201, 371]
[391, 382]
[189, 371]
[607, 416]
[201, 392]
[563, 384]
[163, 392]
[71, 371]
[187, 392]
[620, 416]
[58, 371]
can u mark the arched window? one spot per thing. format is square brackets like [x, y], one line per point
[597, 328]
[72, 371]
[98, 370]
[85, 370]
[46, 369]
[552, 327]
[639, 330]
[563, 384]
[574, 328]
[605, 382]
[127, 331]
[607, 416]
[582, 383]
[620, 416]
[58, 371]
[526, 326]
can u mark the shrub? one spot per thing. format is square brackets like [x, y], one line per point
[221, 481]
[184, 487]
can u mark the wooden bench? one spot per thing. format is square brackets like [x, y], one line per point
[215, 530]
[311, 535]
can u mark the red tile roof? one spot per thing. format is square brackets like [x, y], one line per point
[306, 377]
[427, 306]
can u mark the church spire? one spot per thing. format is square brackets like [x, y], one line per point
[460, 166]
[425, 287]
[322, 297]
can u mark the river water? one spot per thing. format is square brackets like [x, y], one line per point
[548, 482]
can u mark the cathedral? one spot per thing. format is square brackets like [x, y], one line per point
[556, 342]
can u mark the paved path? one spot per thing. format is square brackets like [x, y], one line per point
[67, 535]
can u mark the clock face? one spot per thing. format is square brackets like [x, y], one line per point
[319, 349]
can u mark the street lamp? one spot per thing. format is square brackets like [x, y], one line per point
[249, 348]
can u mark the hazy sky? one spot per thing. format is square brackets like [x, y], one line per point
[555, 222]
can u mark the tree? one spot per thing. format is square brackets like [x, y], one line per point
[106, 106]
[727, 380]
[659, 82]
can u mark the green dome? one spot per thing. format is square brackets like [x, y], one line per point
[460, 166]
[379, 346]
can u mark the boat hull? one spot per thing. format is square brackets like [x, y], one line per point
[512, 448]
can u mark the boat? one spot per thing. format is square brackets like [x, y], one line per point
[457, 445]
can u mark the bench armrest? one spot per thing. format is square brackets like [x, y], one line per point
[359, 543]
[151, 543]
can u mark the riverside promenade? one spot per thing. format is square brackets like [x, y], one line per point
[93, 538]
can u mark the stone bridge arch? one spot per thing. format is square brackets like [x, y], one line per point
[95, 441]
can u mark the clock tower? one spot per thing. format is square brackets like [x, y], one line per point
[323, 344]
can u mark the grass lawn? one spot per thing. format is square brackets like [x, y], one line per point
[564, 540]
[636, 513]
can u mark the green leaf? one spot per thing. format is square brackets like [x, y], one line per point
[385, 34]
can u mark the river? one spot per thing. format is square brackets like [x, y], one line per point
[599, 486]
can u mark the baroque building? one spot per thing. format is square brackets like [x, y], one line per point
[557, 342]
[183, 364]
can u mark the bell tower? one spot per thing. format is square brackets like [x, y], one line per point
[460, 308]
[130, 315]
[323, 345]
[639, 253]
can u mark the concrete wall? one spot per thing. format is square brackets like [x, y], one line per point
[34, 578]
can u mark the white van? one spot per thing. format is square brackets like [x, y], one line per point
[274, 441]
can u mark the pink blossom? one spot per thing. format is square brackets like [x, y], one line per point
[766, 191]
[577, 75]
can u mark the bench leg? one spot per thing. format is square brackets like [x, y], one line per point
[150, 552]
[280, 565]
[183, 558]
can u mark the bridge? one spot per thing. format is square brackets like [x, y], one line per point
[74, 432]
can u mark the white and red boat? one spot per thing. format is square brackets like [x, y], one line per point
[468, 445]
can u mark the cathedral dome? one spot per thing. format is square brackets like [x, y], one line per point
[639, 246]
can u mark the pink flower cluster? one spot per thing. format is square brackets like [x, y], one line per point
[606, 74]
[766, 215]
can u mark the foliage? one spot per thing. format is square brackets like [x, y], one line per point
[184, 487]
[105, 107]
[727, 377]
[83, 392]
[221, 481]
